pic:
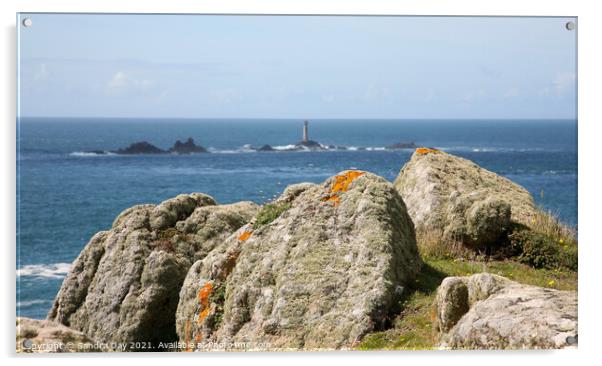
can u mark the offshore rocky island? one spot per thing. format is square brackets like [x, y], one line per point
[449, 255]
[189, 147]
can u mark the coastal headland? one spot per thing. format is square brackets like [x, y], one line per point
[355, 262]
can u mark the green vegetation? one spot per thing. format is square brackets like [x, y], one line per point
[412, 328]
[269, 213]
[546, 243]
[27, 333]
[218, 297]
[541, 251]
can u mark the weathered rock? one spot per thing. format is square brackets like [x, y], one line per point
[492, 312]
[293, 191]
[141, 147]
[124, 285]
[463, 201]
[44, 336]
[188, 147]
[402, 146]
[266, 148]
[320, 276]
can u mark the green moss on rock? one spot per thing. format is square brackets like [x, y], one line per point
[269, 213]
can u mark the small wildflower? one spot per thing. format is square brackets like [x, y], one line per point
[551, 283]
[561, 241]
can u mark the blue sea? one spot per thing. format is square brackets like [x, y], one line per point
[65, 194]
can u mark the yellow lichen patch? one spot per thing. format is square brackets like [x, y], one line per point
[427, 150]
[244, 236]
[341, 184]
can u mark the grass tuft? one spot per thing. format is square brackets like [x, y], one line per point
[269, 213]
[413, 328]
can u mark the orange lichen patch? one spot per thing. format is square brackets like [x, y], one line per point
[198, 338]
[334, 198]
[341, 184]
[244, 236]
[203, 314]
[426, 150]
[187, 336]
[204, 294]
[203, 297]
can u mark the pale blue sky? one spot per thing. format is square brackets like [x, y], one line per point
[200, 66]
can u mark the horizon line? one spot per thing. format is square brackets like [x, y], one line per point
[310, 118]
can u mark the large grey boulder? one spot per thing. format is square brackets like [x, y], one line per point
[485, 311]
[44, 336]
[124, 285]
[320, 276]
[459, 199]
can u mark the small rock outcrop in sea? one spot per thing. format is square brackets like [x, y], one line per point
[265, 148]
[44, 336]
[463, 201]
[326, 271]
[401, 146]
[309, 144]
[124, 285]
[188, 147]
[485, 311]
[142, 147]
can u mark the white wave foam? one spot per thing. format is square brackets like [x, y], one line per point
[55, 270]
[487, 149]
[284, 147]
[23, 304]
[86, 154]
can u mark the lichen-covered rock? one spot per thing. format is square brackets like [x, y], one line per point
[328, 270]
[456, 197]
[293, 191]
[124, 285]
[44, 336]
[486, 311]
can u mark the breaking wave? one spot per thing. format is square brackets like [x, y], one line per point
[55, 270]
[85, 154]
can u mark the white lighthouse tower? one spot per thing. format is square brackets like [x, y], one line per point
[305, 134]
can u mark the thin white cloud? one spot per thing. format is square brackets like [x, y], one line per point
[121, 84]
[474, 95]
[431, 95]
[564, 83]
[511, 93]
[42, 73]
[223, 96]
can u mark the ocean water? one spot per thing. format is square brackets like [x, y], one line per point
[65, 195]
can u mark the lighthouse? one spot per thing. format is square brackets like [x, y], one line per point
[305, 135]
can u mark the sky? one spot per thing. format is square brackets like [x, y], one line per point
[209, 66]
